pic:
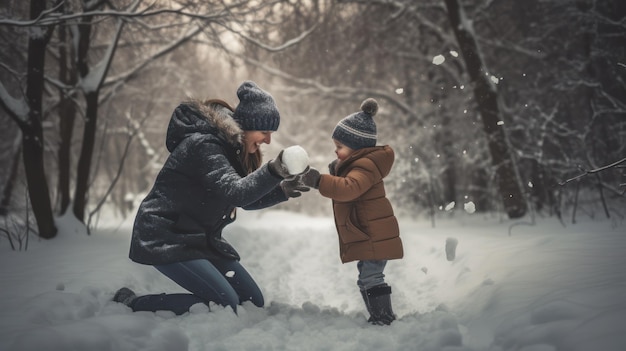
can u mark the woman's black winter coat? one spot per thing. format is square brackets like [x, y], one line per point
[196, 192]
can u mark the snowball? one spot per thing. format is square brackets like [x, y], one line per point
[295, 159]
[439, 59]
[469, 207]
[450, 206]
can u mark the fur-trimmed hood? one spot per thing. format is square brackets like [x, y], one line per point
[193, 116]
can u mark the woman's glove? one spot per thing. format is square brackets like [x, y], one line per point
[277, 167]
[293, 187]
[310, 178]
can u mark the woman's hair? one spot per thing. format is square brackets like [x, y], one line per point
[250, 162]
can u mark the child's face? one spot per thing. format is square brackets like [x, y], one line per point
[341, 150]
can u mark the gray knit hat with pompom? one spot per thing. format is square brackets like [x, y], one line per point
[257, 109]
[358, 130]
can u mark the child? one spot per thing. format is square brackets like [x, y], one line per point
[368, 230]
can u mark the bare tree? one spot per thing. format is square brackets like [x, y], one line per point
[26, 111]
[67, 112]
[488, 103]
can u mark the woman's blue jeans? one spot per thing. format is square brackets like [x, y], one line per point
[224, 282]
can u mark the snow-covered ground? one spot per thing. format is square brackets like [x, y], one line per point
[544, 287]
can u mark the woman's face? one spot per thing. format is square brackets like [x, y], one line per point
[254, 138]
[341, 150]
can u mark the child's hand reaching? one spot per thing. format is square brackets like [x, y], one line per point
[311, 178]
[332, 167]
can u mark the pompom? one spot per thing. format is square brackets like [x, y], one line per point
[369, 106]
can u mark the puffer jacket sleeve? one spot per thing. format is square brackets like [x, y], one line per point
[274, 197]
[219, 177]
[354, 184]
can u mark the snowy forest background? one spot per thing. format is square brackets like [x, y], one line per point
[516, 107]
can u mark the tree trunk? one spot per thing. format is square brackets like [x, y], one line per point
[487, 99]
[67, 116]
[91, 99]
[32, 130]
[86, 153]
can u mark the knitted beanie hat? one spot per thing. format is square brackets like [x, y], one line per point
[256, 109]
[358, 130]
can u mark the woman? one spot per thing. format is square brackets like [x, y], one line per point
[214, 167]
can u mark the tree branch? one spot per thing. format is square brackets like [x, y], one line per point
[55, 18]
[592, 171]
[335, 92]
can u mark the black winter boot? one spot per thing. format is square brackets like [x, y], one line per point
[125, 296]
[378, 303]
